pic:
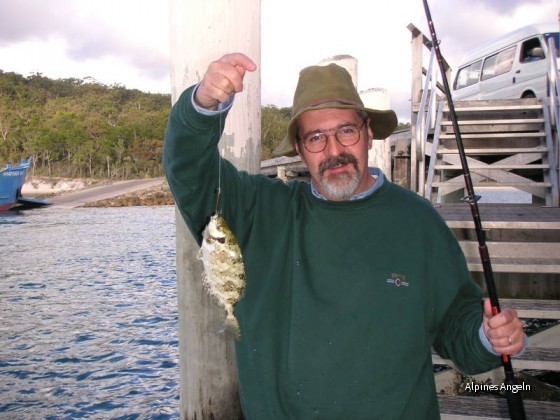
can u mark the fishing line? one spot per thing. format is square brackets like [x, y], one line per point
[219, 190]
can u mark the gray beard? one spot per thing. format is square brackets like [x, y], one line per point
[340, 186]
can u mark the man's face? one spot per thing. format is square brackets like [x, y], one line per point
[338, 172]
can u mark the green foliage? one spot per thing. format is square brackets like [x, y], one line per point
[274, 122]
[403, 126]
[80, 128]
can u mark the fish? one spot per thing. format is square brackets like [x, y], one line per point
[224, 269]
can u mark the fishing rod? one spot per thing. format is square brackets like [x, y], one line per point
[514, 400]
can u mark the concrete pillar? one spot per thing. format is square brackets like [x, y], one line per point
[380, 153]
[201, 32]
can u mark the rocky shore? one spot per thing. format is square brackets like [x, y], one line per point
[157, 196]
[45, 188]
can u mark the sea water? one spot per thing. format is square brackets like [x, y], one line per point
[88, 316]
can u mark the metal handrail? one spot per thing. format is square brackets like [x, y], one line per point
[554, 108]
[426, 117]
[423, 110]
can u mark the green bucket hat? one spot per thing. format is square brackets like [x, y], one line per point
[331, 86]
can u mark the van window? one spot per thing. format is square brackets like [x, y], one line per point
[468, 75]
[497, 64]
[531, 50]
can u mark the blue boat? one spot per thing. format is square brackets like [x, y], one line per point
[11, 182]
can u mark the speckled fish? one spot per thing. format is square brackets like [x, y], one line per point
[224, 271]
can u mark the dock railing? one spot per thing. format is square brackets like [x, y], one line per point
[426, 119]
[425, 94]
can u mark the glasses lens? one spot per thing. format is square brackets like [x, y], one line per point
[346, 136]
[315, 142]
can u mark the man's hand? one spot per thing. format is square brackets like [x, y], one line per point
[504, 331]
[223, 78]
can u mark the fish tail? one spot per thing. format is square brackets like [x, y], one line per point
[232, 326]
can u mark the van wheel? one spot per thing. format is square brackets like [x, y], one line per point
[528, 95]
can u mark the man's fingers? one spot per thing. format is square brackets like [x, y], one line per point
[233, 67]
[223, 78]
[240, 61]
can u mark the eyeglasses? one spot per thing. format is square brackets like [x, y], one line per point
[347, 135]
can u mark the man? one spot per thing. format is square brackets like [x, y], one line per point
[351, 280]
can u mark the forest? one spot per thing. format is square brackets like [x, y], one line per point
[80, 128]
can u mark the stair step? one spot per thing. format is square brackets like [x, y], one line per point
[515, 257]
[482, 407]
[461, 184]
[508, 136]
[504, 108]
[516, 265]
[493, 166]
[515, 134]
[495, 122]
[509, 150]
[501, 216]
[538, 358]
[533, 308]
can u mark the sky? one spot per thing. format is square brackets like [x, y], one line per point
[126, 42]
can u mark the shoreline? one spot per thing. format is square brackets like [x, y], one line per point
[57, 189]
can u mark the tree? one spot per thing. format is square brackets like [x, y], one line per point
[274, 122]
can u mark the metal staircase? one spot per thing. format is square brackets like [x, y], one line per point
[508, 143]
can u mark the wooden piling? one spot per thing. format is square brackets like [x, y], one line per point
[201, 32]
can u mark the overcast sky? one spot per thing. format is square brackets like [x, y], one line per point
[126, 42]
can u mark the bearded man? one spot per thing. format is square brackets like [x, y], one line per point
[351, 280]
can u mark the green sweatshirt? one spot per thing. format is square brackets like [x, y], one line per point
[344, 300]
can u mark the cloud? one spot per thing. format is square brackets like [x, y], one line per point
[25, 19]
[127, 41]
[90, 33]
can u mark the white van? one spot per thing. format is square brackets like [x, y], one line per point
[510, 67]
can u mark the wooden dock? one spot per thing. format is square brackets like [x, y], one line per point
[489, 408]
[524, 245]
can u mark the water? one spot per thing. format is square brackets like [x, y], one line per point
[88, 317]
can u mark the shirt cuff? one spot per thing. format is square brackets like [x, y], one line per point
[221, 107]
[488, 346]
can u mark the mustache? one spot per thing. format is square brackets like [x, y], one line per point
[342, 159]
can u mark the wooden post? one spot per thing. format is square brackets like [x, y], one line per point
[401, 172]
[201, 32]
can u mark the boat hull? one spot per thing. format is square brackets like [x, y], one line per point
[11, 182]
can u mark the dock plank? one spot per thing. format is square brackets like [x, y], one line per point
[533, 308]
[481, 407]
[539, 358]
[516, 265]
[502, 216]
